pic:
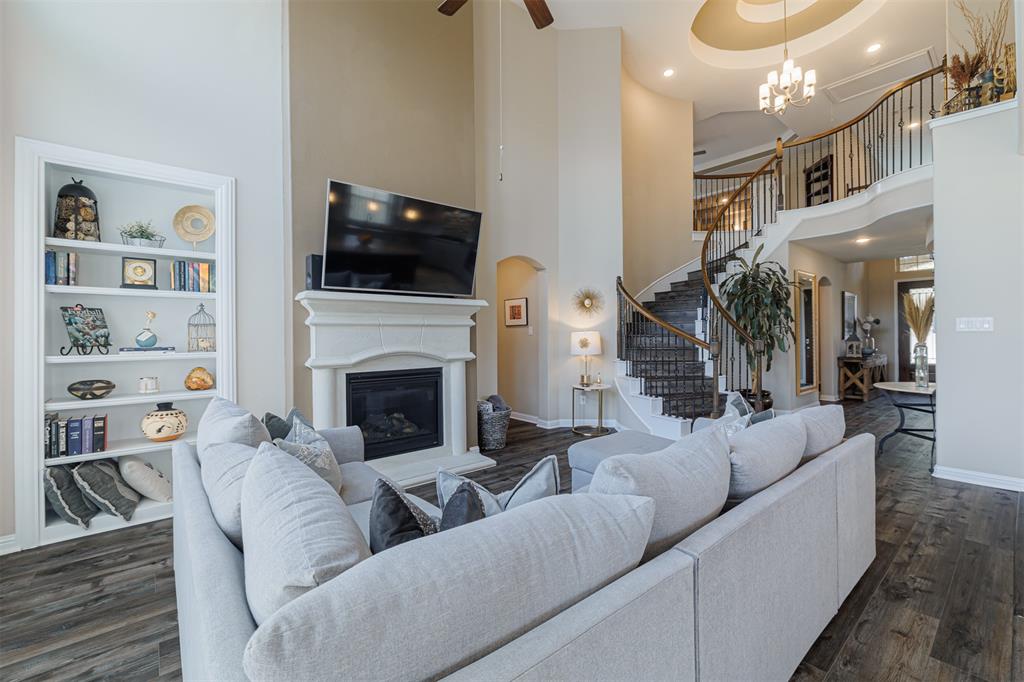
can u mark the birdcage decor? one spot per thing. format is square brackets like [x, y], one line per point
[202, 332]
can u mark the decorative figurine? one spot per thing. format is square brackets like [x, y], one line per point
[199, 379]
[146, 338]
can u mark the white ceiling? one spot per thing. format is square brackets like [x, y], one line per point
[900, 234]
[656, 36]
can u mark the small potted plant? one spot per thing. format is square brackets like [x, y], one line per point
[140, 233]
[758, 298]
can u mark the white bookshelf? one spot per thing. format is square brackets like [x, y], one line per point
[127, 190]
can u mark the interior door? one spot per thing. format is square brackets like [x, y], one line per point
[906, 341]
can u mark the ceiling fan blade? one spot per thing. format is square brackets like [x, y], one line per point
[450, 7]
[539, 12]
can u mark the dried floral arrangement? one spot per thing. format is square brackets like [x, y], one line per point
[963, 70]
[919, 316]
[986, 32]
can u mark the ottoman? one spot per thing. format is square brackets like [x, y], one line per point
[586, 455]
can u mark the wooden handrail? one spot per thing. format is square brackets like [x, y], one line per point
[722, 176]
[667, 326]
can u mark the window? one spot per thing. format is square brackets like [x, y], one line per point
[913, 263]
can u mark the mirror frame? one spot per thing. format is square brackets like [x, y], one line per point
[799, 321]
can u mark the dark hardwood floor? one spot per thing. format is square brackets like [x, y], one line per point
[944, 599]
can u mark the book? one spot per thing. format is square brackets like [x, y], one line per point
[62, 438]
[86, 435]
[46, 434]
[51, 267]
[204, 277]
[54, 437]
[72, 268]
[99, 433]
[62, 268]
[74, 437]
[213, 278]
[155, 350]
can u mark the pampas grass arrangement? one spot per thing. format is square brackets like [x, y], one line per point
[986, 32]
[919, 317]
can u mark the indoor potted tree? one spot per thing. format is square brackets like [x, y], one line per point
[757, 296]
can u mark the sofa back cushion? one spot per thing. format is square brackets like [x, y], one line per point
[223, 472]
[688, 481]
[225, 422]
[298, 532]
[428, 607]
[826, 426]
[765, 453]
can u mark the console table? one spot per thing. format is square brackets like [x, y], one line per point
[905, 395]
[861, 373]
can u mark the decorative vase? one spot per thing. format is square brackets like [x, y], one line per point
[164, 423]
[921, 365]
[76, 215]
[146, 338]
[199, 379]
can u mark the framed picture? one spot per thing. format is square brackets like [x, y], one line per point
[87, 327]
[138, 273]
[516, 314]
[849, 314]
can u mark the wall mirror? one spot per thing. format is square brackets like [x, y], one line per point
[805, 311]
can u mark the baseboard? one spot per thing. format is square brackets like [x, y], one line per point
[529, 418]
[823, 398]
[980, 478]
[8, 544]
[562, 423]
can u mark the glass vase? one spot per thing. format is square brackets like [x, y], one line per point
[921, 365]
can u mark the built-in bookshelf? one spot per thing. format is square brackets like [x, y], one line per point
[126, 190]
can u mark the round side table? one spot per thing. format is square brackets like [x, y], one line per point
[590, 431]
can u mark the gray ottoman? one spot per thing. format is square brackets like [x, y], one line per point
[586, 455]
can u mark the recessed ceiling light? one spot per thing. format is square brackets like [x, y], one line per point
[668, 73]
[861, 240]
[874, 47]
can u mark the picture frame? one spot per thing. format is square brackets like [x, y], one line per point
[138, 273]
[87, 330]
[516, 312]
[849, 314]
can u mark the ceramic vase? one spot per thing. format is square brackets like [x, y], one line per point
[164, 423]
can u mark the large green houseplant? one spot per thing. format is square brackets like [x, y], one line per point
[758, 299]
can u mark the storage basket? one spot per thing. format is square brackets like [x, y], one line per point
[493, 425]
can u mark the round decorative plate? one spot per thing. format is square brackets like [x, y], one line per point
[91, 389]
[194, 223]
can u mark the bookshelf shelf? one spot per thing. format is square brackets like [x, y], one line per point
[136, 399]
[137, 446]
[124, 250]
[126, 357]
[116, 291]
[126, 189]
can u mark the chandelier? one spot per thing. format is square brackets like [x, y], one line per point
[783, 90]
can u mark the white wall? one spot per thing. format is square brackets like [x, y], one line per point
[520, 380]
[978, 255]
[880, 290]
[196, 85]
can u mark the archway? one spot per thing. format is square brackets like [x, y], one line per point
[522, 321]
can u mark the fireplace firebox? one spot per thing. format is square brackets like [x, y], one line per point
[399, 411]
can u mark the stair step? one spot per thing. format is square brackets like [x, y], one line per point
[673, 313]
[673, 295]
[688, 326]
[668, 343]
[689, 284]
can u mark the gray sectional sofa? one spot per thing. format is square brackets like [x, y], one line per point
[741, 598]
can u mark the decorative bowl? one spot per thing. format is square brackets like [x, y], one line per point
[91, 389]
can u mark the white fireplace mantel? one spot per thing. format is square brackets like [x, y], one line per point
[364, 332]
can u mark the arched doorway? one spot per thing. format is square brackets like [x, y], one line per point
[522, 336]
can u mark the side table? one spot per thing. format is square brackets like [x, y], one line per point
[589, 431]
[915, 399]
[860, 373]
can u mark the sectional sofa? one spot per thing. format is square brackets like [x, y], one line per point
[553, 590]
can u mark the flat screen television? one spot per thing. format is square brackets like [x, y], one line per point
[381, 241]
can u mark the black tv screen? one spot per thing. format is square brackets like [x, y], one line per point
[381, 241]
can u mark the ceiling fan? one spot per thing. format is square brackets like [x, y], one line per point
[538, 10]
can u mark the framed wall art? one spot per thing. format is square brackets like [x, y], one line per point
[516, 314]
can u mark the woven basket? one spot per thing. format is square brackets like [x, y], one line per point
[493, 428]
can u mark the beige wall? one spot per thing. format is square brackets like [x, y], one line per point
[381, 95]
[129, 79]
[520, 381]
[881, 302]
[657, 184]
[978, 274]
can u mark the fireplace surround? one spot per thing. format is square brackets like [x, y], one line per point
[398, 411]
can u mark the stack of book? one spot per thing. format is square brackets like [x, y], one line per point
[76, 436]
[196, 276]
[152, 350]
[62, 268]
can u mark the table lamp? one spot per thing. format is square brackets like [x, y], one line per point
[586, 344]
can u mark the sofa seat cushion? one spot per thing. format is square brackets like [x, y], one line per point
[225, 422]
[588, 454]
[475, 588]
[688, 481]
[826, 426]
[298, 532]
[765, 453]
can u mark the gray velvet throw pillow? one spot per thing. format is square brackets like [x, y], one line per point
[102, 484]
[464, 506]
[65, 498]
[394, 519]
[541, 481]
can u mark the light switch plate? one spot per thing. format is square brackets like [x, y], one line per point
[975, 324]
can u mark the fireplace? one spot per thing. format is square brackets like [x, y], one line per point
[398, 411]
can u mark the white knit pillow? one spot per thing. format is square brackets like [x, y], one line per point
[144, 478]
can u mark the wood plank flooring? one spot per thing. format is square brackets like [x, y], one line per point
[943, 600]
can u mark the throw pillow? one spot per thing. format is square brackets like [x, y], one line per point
[225, 422]
[298, 532]
[144, 478]
[762, 416]
[688, 481]
[313, 450]
[65, 497]
[394, 519]
[826, 426]
[464, 506]
[223, 473]
[541, 481]
[278, 427]
[765, 453]
[101, 483]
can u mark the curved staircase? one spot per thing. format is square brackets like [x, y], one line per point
[679, 349]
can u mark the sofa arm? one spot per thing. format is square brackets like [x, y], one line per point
[346, 442]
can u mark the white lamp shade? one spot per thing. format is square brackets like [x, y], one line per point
[785, 81]
[811, 77]
[586, 343]
[773, 78]
[798, 74]
[764, 92]
[787, 66]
